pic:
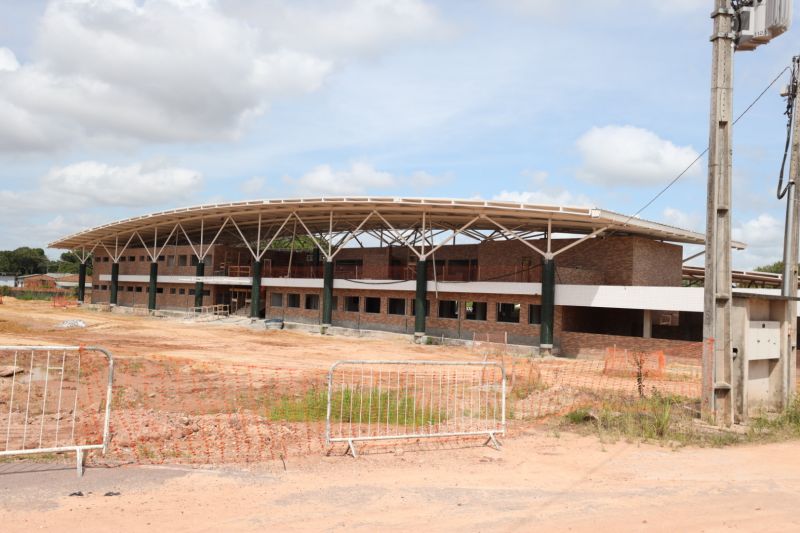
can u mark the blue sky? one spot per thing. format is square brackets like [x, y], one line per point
[179, 102]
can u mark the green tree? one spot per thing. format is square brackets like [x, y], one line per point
[775, 268]
[24, 261]
[69, 263]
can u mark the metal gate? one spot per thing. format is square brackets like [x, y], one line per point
[381, 400]
[55, 399]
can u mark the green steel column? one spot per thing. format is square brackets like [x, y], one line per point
[255, 294]
[548, 305]
[198, 285]
[327, 293]
[114, 283]
[81, 282]
[151, 296]
[421, 297]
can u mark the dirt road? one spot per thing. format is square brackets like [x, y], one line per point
[538, 482]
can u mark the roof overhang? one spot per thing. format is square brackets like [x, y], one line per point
[346, 214]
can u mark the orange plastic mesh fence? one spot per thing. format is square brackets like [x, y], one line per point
[632, 363]
[61, 300]
[172, 410]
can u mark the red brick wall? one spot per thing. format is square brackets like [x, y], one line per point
[657, 263]
[594, 346]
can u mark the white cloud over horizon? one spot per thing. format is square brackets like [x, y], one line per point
[627, 155]
[357, 179]
[681, 219]
[763, 236]
[181, 71]
[90, 184]
[546, 196]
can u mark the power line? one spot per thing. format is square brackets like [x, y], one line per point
[699, 157]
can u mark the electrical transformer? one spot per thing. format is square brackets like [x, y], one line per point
[761, 22]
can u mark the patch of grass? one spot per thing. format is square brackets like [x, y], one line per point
[786, 425]
[522, 387]
[578, 416]
[356, 406]
[656, 418]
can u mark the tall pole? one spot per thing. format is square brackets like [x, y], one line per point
[717, 354]
[791, 245]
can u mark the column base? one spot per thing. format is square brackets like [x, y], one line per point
[545, 350]
[323, 329]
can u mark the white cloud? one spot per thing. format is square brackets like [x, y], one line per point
[92, 184]
[359, 178]
[537, 177]
[764, 238]
[180, 70]
[631, 156]
[253, 186]
[424, 180]
[550, 7]
[8, 61]
[338, 29]
[545, 197]
[676, 217]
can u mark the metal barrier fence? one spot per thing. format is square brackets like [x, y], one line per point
[53, 401]
[381, 400]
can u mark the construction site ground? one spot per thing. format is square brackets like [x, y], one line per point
[539, 482]
[542, 479]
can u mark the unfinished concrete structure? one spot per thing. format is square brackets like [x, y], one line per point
[575, 280]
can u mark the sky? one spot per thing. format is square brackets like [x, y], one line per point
[117, 108]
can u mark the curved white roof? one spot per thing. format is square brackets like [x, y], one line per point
[342, 214]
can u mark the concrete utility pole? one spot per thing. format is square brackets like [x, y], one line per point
[717, 353]
[791, 243]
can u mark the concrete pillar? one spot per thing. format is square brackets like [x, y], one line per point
[114, 283]
[151, 296]
[421, 297]
[548, 306]
[255, 292]
[327, 294]
[82, 282]
[647, 324]
[199, 286]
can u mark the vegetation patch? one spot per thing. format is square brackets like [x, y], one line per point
[368, 406]
[675, 421]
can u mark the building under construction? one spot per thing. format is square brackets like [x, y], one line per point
[572, 280]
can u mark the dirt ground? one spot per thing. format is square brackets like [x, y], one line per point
[541, 480]
[35, 322]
